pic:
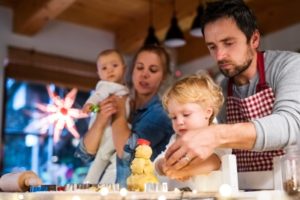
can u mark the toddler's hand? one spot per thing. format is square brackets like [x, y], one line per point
[173, 173]
[87, 108]
[159, 165]
[95, 108]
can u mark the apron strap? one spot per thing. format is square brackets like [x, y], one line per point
[229, 87]
[261, 71]
[262, 84]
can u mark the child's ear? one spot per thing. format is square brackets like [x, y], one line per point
[209, 112]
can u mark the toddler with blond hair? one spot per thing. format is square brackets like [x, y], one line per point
[192, 103]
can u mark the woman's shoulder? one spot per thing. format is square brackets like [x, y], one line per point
[155, 104]
[158, 110]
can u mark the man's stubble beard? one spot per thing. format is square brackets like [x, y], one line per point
[237, 69]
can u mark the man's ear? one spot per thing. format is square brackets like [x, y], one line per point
[255, 39]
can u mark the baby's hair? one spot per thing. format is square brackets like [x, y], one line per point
[110, 51]
[197, 88]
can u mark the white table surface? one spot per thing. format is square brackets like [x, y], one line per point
[86, 195]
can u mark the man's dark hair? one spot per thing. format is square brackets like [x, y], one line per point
[235, 9]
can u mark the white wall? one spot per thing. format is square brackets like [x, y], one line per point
[287, 39]
[59, 38]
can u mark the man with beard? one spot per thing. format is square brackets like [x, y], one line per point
[261, 114]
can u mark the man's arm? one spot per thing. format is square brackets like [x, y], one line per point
[235, 136]
[282, 126]
[194, 168]
[202, 143]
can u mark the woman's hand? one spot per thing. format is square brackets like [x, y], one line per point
[120, 105]
[93, 137]
[108, 107]
[112, 107]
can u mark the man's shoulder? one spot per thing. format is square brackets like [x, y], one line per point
[281, 66]
[283, 57]
[281, 61]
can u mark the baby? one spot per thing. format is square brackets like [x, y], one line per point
[111, 71]
[192, 103]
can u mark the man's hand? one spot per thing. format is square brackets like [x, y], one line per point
[200, 144]
[193, 168]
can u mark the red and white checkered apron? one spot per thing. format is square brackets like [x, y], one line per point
[247, 109]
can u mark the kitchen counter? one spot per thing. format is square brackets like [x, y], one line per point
[88, 195]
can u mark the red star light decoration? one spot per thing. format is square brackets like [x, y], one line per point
[60, 113]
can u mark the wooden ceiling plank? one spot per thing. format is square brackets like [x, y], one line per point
[31, 65]
[51, 62]
[104, 14]
[45, 76]
[30, 16]
[135, 33]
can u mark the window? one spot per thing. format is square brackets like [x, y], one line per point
[30, 146]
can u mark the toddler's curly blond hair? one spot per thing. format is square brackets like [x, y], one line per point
[197, 88]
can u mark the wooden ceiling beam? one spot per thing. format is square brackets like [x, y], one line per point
[30, 16]
[36, 66]
[131, 35]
